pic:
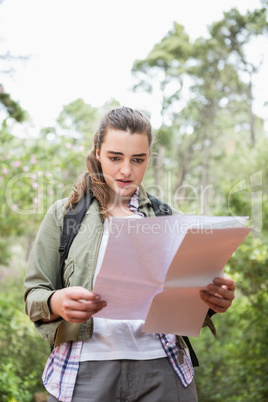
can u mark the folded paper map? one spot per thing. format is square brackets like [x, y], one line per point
[153, 269]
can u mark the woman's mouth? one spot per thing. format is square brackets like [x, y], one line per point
[124, 183]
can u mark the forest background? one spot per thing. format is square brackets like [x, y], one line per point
[210, 157]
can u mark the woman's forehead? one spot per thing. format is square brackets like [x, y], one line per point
[118, 138]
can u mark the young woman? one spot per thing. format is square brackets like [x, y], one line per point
[97, 359]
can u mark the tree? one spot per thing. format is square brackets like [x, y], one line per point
[234, 32]
[78, 119]
[162, 74]
[11, 108]
[196, 113]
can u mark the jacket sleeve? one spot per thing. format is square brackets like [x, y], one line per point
[41, 277]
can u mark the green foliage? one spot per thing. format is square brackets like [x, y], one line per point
[11, 108]
[173, 49]
[79, 119]
[236, 30]
[22, 352]
[207, 98]
[233, 367]
[10, 383]
[34, 172]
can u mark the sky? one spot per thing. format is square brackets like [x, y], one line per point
[86, 49]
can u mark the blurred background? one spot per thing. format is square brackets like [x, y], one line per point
[199, 72]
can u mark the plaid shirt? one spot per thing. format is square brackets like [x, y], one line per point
[61, 369]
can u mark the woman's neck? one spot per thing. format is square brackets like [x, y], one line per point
[120, 214]
[119, 209]
[119, 206]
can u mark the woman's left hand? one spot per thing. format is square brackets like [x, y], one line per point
[219, 294]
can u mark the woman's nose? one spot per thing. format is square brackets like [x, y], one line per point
[126, 168]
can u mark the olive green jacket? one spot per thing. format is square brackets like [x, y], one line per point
[41, 277]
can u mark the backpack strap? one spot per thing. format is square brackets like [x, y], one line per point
[193, 356]
[71, 224]
[160, 207]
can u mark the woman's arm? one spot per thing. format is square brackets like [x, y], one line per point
[41, 277]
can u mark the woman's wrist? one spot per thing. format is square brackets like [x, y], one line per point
[51, 306]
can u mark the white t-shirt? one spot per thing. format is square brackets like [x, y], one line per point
[119, 339]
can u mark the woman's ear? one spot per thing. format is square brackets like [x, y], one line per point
[97, 154]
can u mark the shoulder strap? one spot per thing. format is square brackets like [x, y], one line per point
[193, 356]
[71, 224]
[160, 207]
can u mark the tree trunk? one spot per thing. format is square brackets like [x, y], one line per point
[159, 168]
[251, 115]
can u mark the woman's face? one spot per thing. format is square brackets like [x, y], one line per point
[124, 158]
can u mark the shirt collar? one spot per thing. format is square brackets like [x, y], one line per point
[134, 201]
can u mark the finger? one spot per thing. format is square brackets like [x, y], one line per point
[225, 282]
[218, 304]
[217, 308]
[84, 306]
[80, 293]
[80, 316]
[221, 291]
[219, 301]
[91, 307]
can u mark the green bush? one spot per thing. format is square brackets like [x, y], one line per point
[22, 352]
[233, 367]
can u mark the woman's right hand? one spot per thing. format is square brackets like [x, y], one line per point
[74, 304]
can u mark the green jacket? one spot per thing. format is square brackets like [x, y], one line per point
[41, 278]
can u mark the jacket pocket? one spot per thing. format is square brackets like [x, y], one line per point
[68, 275]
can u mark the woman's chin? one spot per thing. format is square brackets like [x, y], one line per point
[125, 192]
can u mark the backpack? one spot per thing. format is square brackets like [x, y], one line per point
[71, 225]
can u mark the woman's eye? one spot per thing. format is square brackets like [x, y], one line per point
[114, 158]
[138, 160]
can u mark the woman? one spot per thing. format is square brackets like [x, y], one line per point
[114, 360]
